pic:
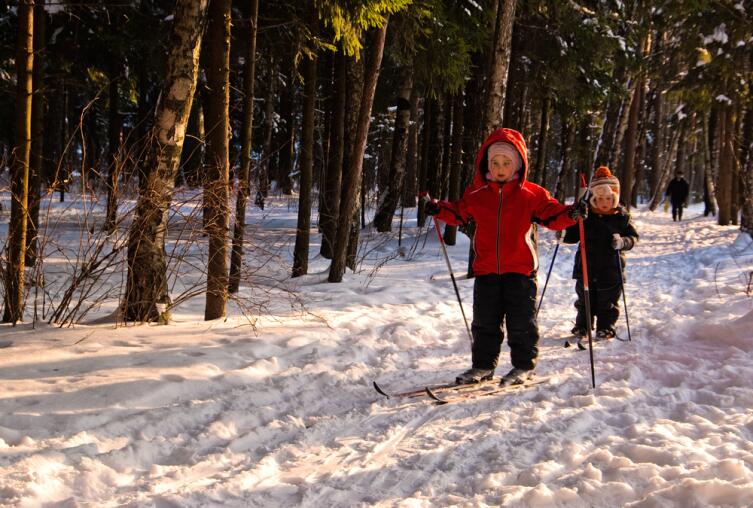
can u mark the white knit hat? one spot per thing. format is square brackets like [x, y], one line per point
[506, 149]
[604, 183]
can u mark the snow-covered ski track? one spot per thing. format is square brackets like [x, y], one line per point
[212, 414]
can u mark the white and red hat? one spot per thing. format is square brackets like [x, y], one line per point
[603, 184]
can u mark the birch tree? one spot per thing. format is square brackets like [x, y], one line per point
[146, 284]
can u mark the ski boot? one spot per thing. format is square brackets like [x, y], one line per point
[605, 334]
[474, 375]
[516, 376]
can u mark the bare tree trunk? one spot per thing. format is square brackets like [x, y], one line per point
[410, 186]
[244, 175]
[640, 164]
[746, 167]
[192, 155]
[737, 135]
[423, 164]
[287, 134]
[665, 169]
[36, 158]
[657, 149]
[301, 250]
[436, 144]
[497, 82]
[332, 181]
[619, 136]
[709, 187]
[542, 144]
[456, 163]
[147, 270]
[354, 93]
[565, 173]
[269, 123]
[352, 179]
[114, 127]
[216, 191]
[446, 146]
[631, 136]
[611, 121]
[383, 218]
[726, 164]
[14, 280]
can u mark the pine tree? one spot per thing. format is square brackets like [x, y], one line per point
[244, 175]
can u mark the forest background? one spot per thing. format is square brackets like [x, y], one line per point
[146, 108]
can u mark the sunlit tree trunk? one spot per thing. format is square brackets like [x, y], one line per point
[497, 82]
[352, 179]
[147, 270]
[36, 159]
[14, 279]
[726, 164]
[355, 81]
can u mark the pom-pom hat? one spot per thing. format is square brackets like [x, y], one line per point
[603, 184]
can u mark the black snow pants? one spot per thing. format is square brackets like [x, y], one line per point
[677, 211]
[508, 299]
[604, 298]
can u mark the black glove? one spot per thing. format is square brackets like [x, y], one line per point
[431, 208]
[578, 210]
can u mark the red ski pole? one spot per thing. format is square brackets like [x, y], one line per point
[584, 268]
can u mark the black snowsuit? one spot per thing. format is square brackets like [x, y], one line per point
[510, 297]
[604, 278]
[677, 190]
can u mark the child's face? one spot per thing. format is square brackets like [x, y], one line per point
[501, 168]
[603, 203]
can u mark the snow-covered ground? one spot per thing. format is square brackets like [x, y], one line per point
[224, 414]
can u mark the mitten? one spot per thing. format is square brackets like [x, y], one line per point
[617, 242]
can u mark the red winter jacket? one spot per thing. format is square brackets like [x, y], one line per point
[504, 214]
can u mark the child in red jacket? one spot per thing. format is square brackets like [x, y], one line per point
[504, 206]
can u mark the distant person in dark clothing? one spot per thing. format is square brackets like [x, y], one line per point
[677, 192]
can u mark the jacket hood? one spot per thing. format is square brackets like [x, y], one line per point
[510, 136]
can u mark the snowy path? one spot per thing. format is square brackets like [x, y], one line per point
[209, 414]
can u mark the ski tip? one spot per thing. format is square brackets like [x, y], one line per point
[581, 346]
[567, 344]
[379, 390]
[434, 396]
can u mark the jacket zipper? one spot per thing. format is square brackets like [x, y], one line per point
[499, 232]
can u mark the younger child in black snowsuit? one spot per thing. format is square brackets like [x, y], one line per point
[608, 231]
